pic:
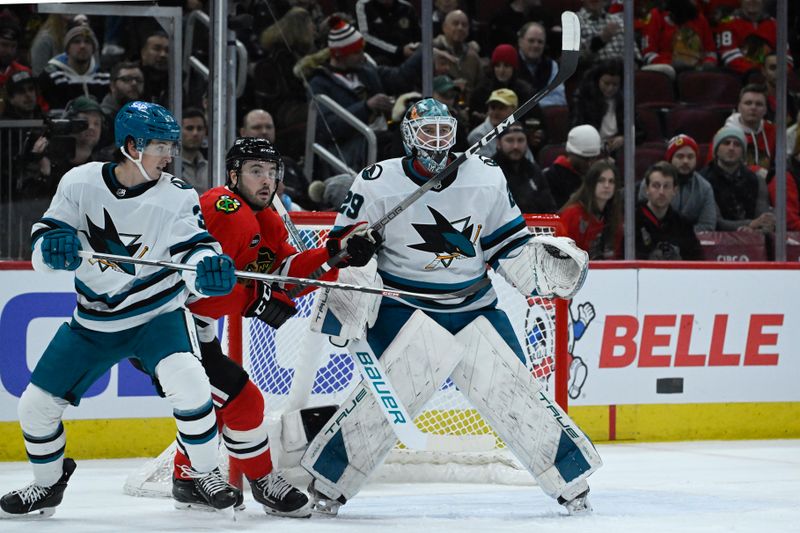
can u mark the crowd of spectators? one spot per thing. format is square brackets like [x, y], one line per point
[489, 58]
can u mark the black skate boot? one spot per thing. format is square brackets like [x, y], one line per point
[322, 504]
[205, 491]
[37, 498]
[279, 497]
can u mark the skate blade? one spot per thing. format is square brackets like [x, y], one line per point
[303, 512]
[229, 511]
[41, 514]
[324, 511]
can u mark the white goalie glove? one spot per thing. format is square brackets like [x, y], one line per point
[347, 314]
[551, 266]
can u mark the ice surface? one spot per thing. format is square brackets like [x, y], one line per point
[742, 486]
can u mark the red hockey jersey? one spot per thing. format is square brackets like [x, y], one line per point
[689, 45]
[743, 44]
[257, 242]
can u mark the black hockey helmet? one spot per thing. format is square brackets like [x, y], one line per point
[252, 148]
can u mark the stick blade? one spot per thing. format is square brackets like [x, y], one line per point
[570, 31]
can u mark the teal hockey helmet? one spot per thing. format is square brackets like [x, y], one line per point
[429, 132]
[145, 121]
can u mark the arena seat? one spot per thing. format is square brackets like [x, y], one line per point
[699, 122]
[742, 246]
[549, 153]
[718, 89]
[556, 123]
[653, 89]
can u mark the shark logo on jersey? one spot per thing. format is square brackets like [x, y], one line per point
[107, 239]
[446, 240]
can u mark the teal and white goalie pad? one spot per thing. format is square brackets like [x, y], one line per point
[357, 439]
[547, 266]
[537, 431]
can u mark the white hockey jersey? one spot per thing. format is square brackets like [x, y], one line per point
[444, 240]
[157, 220]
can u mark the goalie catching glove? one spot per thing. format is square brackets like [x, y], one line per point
[550, 266]
[357, 240]
[271, 305]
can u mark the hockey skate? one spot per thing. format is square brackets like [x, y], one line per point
[324, 505]
[26, 501]
[579, 505]
[279, 497]
[204, 491]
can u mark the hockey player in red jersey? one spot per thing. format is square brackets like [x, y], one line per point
[746, 37]
[239, 216]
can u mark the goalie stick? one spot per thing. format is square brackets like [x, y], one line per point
[478, 285]
[570, 53]
[402, 423]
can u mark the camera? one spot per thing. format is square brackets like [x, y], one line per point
[53, 127]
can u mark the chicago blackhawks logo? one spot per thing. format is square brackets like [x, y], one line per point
[447, 240]
[227, 204]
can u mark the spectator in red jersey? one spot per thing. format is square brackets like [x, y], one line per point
[760, 132]
[680, 36]
[746, 37]
[661, 232]
[716, 10]
[593, 214]
[565, 175]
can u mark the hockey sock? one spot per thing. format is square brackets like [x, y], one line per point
[245, 433]
[40, 419]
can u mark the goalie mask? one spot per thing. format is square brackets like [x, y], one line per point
[429, 131]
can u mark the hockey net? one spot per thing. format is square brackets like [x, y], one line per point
[293, 372]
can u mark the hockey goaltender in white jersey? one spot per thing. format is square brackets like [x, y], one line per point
[442, 243]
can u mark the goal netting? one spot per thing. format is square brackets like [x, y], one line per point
[294, 368]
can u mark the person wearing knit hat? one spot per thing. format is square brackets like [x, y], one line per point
[81, 30]
[364, 89]
[694, 198]
[725, 133]
[678, 142]
[503, 75]
[741, 196]
[75, 72]
[344, 39]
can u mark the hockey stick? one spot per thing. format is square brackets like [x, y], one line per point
[570, 53]
[290, 279]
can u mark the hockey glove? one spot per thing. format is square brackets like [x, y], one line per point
[359, 242]
[271, 305]
[215, 275]
[60, 249]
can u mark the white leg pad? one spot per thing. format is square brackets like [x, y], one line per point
[539, 433]
[357, 439]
